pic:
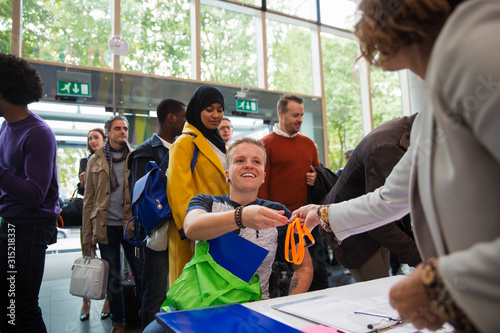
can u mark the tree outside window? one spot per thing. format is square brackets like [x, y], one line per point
[342, 97]
[5, 26]
[228, 47]
[386, 96]
[159, 36]
[71, 31]
[289, 58]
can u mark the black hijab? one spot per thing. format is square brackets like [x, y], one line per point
[205, 96]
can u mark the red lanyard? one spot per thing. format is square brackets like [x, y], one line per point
[297, 250]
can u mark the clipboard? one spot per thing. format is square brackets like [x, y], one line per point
[219, 319]
[237, 254]
[341, 314]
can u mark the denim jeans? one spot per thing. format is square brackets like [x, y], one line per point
[155, 327]
[154, 284]
[22, 261]
[111, 253]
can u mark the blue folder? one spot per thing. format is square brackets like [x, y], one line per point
[219, 319]
[236, 254]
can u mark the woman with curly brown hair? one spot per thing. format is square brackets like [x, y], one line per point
[390, 31]
[453, 165]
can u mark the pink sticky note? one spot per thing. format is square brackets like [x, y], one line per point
[319, 329]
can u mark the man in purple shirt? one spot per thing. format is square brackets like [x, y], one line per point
[28, 196]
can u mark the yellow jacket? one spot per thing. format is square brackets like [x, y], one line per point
[182, 185]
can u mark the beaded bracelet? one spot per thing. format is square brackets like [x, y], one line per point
[237, 216]
[440, 300]
[324, 220]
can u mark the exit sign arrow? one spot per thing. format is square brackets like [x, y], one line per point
[245, 105]
[73, 89]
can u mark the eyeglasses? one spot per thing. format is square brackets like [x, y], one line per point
[222, 128]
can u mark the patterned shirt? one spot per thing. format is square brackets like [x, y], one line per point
[272, 239]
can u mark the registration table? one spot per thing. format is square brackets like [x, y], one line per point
[335, 307]
[362, 307]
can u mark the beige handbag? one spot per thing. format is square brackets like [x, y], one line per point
[89, 277]
[159, 238]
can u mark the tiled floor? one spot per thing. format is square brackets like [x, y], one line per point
[61, 310]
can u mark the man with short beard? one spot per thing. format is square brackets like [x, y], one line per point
[290, 171]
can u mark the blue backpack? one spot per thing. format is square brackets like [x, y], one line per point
[150, 202]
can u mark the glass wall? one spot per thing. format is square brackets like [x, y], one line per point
[386, 96]
[159, 35]
[300, 8]
[69, 136]
[338, 13]
[5, 26]
[289, 57]
[228, 46]
[234, 43]
[342, 97]
[74, 32]
[251, 2]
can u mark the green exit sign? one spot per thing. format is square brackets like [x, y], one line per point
[73, 89]
[245, 105]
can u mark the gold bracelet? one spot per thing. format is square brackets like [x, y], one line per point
[324, 220]
[440, 299]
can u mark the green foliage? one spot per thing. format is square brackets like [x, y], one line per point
[159, 36]
[299, 8]
[289, 58]
[342, 97]
[5, 26]
[68, 163]
[68, 31]
[386, 96]
[228, 47]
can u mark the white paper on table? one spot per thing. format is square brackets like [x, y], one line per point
[339, 314]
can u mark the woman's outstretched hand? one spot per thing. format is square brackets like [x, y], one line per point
[307, 215]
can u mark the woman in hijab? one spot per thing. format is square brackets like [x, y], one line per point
[204, 114]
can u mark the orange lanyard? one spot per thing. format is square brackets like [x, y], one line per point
[297, 250]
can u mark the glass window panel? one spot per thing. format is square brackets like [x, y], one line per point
[386, 95]
[289, 58]
[159, 36]
[69, 131]
[248, 127]
[342, 97]
[301, 8]
[71, 31]
[5, 26]
[68, 165]
[338, 13]
[228, 46]
[251, 2]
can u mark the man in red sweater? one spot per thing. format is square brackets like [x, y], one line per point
[291, 158]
